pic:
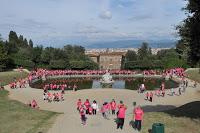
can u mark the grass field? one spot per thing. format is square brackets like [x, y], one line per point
[16, 117]
[194, 74]
[185, 119]
[7, 77]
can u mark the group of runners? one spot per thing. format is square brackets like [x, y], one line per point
[109, 108]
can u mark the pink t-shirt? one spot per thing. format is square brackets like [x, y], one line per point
[79, 103]
[138, 114]
[113, 105]
[82, 111]
[87, 104]
[122, 111]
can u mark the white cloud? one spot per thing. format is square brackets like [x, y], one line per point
[105, 15]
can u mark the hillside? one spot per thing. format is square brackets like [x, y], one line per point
[133, 44]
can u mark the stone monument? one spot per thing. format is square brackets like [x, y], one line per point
[107, 80]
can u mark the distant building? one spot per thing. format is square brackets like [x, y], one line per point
[108, 60]
[112, 58]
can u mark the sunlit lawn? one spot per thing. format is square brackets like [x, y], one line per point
[194, 75]
[7, 77]
[16, 117]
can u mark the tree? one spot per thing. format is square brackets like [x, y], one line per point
[3, 56]
[13, 38]
[170, 59]
[25, 43]
[30, 43]
[189, 31]
[36, 55]
[47, 55]
[144, 51]
[131, 56]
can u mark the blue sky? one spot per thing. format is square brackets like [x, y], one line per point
[59, 22]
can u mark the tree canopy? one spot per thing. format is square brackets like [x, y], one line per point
[17, 51]
[189, 31]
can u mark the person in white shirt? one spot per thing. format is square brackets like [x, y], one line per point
[94, 107]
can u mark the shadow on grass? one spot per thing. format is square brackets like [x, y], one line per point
[191, 110]
[157, 108]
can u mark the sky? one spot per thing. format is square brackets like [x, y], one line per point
[59, 22]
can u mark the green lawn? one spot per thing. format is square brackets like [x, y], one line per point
[7, 77]
[194, 75]
[185, 119]
[16, 117]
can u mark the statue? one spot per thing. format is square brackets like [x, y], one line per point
[107, 80]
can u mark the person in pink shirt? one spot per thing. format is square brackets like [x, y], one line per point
[121, 115]
[63, 89]
[103, 111]
[113, 106]
[147, 95]
[34, 104]
[79, 104]
[87, 105]
[108, 108]
[90, 110]
[82, 113]
[138, 116]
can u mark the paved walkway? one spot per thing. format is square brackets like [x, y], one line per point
[69, 121]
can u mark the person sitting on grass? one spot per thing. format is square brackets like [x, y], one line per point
[34, 104]
[1, 88]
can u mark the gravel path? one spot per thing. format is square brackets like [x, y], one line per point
[69, 121]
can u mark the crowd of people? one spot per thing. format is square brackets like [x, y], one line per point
[20, 83]
[109, 108]
[61, 87]
[39, 73]
[54, 96]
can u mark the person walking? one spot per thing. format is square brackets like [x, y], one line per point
[82, 114]
[113, 106]
[151, 96]
[87, 105]
[138, 116]
[103, 111]
[121, 115]
[94, 107]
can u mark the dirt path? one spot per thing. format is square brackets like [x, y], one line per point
[69, 122]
